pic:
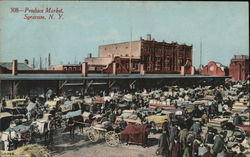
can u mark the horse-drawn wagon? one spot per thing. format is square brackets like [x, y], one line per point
[5, 119]
[165, 105]
[16, 106]
[16, 136]
[104, 130]
[136, 134]
[129, 116]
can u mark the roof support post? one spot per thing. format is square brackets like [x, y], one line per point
[0, 88]
[111, 83]
[14, 91]
[87, 84]
[132, 84]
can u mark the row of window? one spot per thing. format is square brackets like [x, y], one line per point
[71, 68]
[163, 49]
[126, 55]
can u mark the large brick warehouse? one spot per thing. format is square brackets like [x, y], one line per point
[153, 56]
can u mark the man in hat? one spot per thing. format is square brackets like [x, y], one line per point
[165, 125]
[218, 144]
[196, 127]
[164, 144]
[182, 138]
[173, 133]
[122, 124]
[237, 120]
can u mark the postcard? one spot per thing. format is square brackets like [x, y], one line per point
[124, 78]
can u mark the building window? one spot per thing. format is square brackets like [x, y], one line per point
[158, 67]
[180, 61]
[65, 68]
[168, 59]
[70, 69]
[135, 66]
[127, 65]
[158, 59]
[74, 68]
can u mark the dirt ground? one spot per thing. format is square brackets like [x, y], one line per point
[64, 146]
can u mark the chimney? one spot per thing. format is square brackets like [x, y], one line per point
[14, 67]
[84, 69]
[114, 68]
[142, 71]
[141, 38]
[90, 55]
[26, 61]
[148, 36]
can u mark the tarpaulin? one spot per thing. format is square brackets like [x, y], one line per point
[135, 134]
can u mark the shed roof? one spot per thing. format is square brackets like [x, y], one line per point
[21, 66]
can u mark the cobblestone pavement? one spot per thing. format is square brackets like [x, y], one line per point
[64, 146]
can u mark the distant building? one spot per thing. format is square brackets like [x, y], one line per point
[98, 64]
[67, 67]
[214, 68]
[6, 67]
[239, 67]
[154, 56]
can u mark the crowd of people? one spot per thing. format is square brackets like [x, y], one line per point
[182, 135]
[180, 138]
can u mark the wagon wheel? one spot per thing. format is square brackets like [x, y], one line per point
[112, 138]
[36, 130]
[103, 119]
[93, 135]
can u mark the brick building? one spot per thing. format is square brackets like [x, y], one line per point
[239, 67]
[214, 68]
[67, 67]
[154, 56]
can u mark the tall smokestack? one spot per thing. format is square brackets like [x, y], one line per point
[90, 55]
[49, 61]
[40, 66]
[33, 63]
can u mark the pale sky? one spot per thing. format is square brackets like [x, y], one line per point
[223, 28]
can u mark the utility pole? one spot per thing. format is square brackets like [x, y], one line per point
[200, 54]
[45, 63]
[130, 64]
